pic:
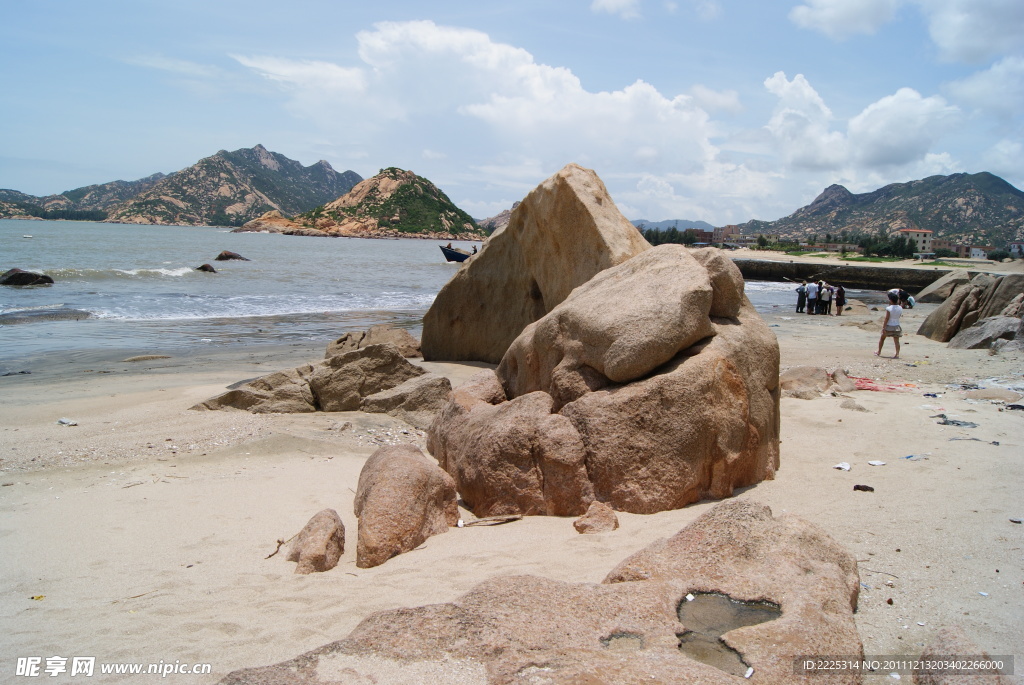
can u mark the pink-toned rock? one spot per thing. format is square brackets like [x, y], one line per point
[514, 457]
[402, 499]
[984, 296]
[695, 414]
[841, 382]
[320, 544]
[416, 401]
[524, 629]
[624, 323]
[705, 423]
[564, 232]
[600, 518]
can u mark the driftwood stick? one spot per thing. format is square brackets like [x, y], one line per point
[279, 544]
[493, 520]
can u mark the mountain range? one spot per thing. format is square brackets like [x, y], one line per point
[980, 209]
[225, 189]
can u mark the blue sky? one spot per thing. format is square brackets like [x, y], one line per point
[716, 110]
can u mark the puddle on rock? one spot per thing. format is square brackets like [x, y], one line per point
[623, 642]
[708, 616]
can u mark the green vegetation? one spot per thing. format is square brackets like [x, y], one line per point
[672, 235]
[999, 255]
[945, 252]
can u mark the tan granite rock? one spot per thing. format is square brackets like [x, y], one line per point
[341, 382]
[407, 345]
[320, 544]
[403, 498]
[600, 518]
[563, 232]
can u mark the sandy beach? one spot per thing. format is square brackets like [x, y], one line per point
[142, 533]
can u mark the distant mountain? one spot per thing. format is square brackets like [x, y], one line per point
[395, 202]
[977, 208]
[499, 220]
[89, 202]
[680, 224]
[231, 188]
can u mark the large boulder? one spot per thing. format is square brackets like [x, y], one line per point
[943, 287]
[644, 402]
[563, 233]
[402, 499]
[982, 334]
[984, 296]
[600, 518]
[624, 323]
[376, 335]
[526, 629]
[320, 544]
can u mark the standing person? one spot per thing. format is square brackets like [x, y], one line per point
[840, 299]
[801, 297]
[891, 325]
[812, 296]
[828, 299]
[821, 298]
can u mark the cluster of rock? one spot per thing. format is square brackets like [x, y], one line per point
[376, 378]
[978, 312]
[407, 345]
[630, 628]
[403, 498]
[646, 382]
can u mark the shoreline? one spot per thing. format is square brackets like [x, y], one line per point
[139, 526]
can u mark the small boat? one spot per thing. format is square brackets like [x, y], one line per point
[454, 254]
[26, 236]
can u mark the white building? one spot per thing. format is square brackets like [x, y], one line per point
[920, 239]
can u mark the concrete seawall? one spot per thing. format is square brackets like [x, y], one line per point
[848, 275]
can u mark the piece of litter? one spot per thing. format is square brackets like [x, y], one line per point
[750, 672]
[894, 676]
[690, 598]
[983, 594]
[920, 623]
[38, 598]
[932, 394]
[877, 463]
[67, 422]
[1015, 520]
[864, 488]
[462, 524]
[842, 466]
[915, 457]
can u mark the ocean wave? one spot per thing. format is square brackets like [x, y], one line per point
[109, 274]
[198, 307]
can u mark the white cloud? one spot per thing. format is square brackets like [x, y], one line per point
[627, 9]
[801, 125]
[1003, 159]
[900, 128]
[715, 100]
[997, 90]
[840, 19]
[975, 30]
[307, 74]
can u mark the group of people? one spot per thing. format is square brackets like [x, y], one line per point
[817, 298]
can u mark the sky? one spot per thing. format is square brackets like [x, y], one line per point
[713, 110]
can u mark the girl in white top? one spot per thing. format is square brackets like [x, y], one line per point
[891, 325]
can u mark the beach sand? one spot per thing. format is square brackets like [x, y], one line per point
[142, 533]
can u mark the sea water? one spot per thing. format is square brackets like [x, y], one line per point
[142, 292]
